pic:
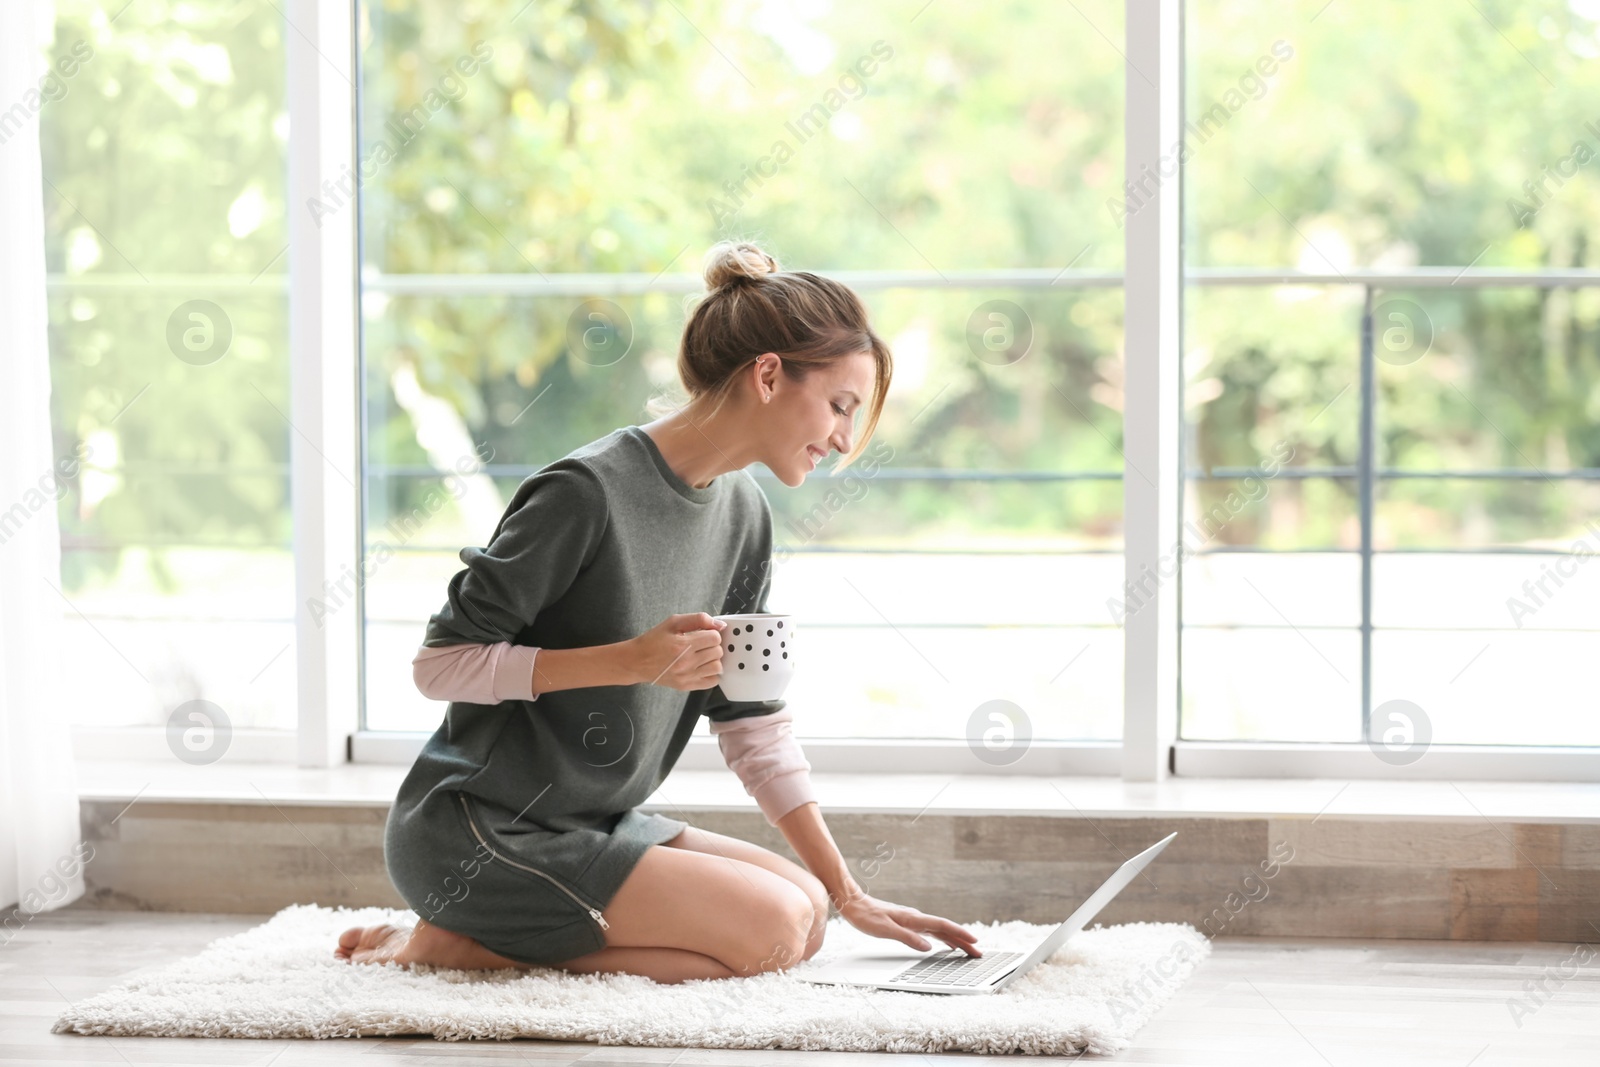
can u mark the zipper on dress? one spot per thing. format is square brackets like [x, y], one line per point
[594, 913]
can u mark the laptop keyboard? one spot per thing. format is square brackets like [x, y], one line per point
[955, 968]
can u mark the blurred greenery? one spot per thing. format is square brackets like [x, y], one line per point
[165, 157]
[550, 137]
[1398, 136]
[566, 153]
[562, 136]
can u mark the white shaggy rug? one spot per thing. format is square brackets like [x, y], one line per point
[281, 980]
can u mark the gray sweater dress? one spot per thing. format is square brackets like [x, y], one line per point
[518, 822]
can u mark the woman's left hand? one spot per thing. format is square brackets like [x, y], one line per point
[883, 919]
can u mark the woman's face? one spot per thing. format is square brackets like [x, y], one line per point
[808, 420]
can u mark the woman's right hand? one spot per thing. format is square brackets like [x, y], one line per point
[681, 652]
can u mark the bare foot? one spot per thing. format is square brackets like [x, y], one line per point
[423, 943]
[372, 944]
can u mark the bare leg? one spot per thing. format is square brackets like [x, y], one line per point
[665, 965]
[423, 943]
[714, 844]
[683, 914]
[702, 906]
[426, 943]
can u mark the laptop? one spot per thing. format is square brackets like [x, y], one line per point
[953, 971]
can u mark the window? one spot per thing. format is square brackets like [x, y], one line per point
[950, 170]
[164, 154]
[1453, 475]
[1390, 353]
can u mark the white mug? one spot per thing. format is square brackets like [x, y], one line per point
[757, 655]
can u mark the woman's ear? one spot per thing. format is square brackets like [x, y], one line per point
[766, 374]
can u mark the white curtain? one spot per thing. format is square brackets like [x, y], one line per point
[41, 855]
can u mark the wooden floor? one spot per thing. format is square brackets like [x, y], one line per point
[1277, 1002]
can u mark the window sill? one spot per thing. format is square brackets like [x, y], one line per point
[830, 755]
[374, 786]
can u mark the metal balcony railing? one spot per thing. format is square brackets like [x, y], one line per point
[1365, 472]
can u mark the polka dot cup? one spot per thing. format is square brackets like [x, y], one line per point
[757, 656]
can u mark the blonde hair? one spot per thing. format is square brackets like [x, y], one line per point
[752, 307]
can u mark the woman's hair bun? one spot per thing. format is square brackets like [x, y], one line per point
[732, 261]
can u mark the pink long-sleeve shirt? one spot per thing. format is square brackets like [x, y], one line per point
[760, 749]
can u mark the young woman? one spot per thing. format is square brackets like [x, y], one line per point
[578, 651]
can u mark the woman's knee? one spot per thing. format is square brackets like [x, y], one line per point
[818, 895]
[694, 839]
[779, 930]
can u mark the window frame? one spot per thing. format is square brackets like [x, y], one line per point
[329, 436]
